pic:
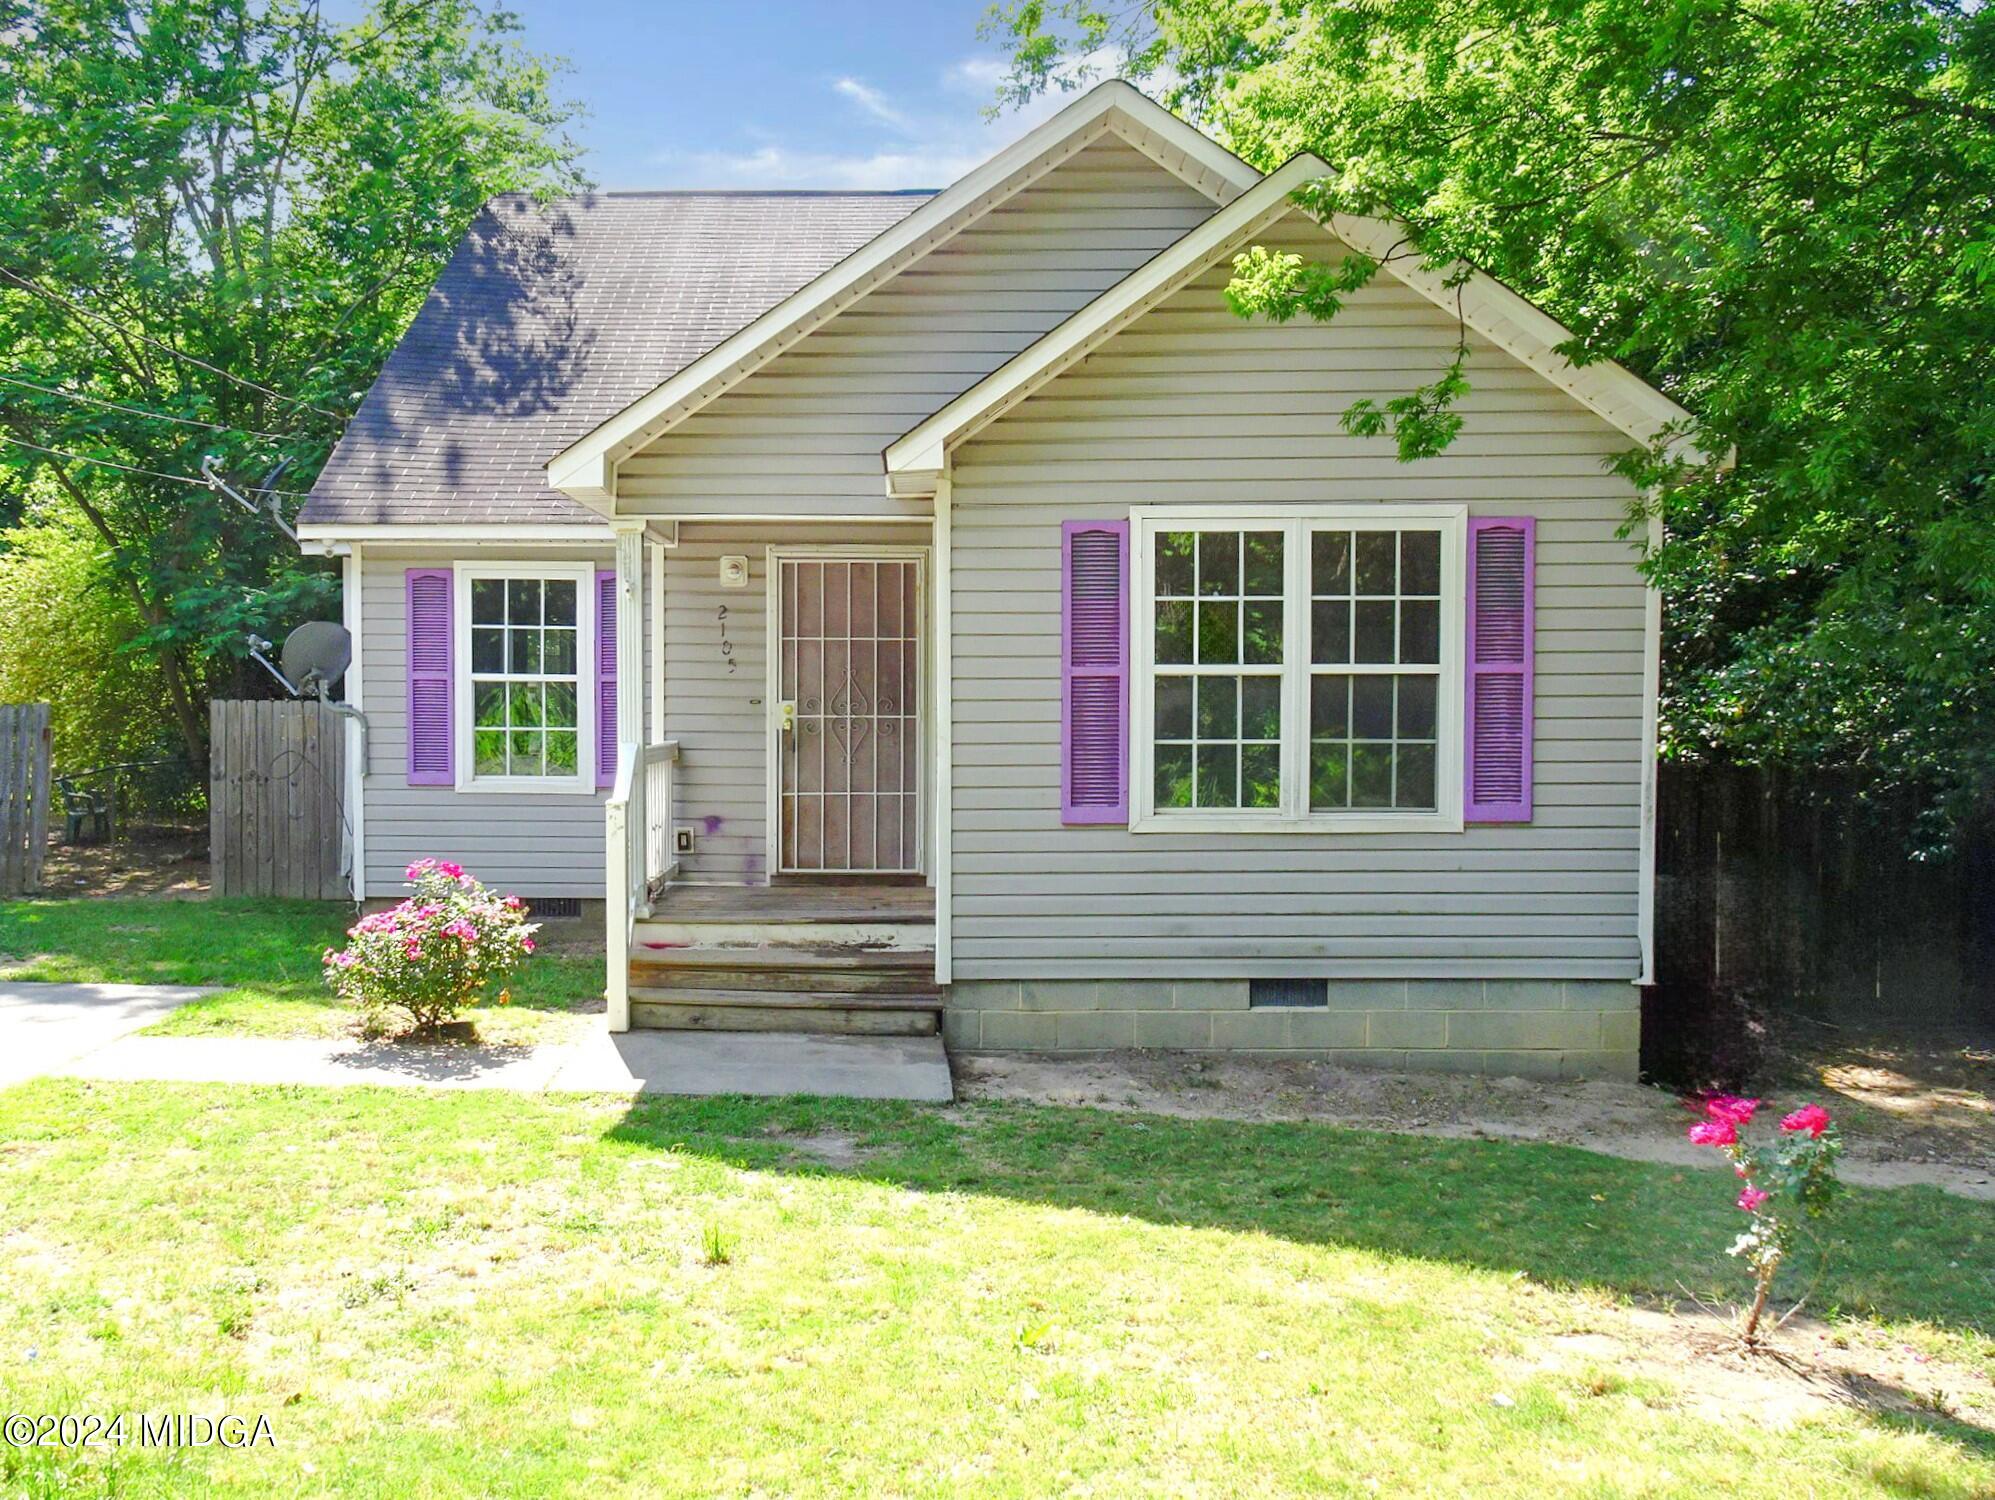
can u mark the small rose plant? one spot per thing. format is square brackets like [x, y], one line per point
[1784, 1183]
[451, 944]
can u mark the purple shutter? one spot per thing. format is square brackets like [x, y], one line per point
[1500, 642]
[606, 676]
[432, 758]
[1094, 672]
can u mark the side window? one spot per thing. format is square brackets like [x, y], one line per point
[525, 652]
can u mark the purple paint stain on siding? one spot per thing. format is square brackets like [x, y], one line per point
[712, 823]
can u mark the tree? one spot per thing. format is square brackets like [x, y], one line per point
[1782, 212]
[216, 217]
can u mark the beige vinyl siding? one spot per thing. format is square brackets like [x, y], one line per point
[1192, 405]
[535, 844]
[717, 713]
[803, 436]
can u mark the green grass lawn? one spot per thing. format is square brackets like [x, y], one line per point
[481, 1294]
[266, 952]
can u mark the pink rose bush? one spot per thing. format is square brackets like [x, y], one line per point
[449, 945]
[1786, 1183]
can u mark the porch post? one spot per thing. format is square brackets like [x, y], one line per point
[630, 630]
[630, 682]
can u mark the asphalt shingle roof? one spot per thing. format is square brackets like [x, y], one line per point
[551, 318]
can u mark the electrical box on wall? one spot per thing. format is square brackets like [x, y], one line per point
[734, 572]
[682, 838]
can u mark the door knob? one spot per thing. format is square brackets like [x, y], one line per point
[787, 712]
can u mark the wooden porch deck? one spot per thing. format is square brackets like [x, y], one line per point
[804, 901]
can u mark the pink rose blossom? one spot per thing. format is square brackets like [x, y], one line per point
[526, 945]
[1810, 1119]
[1713, 1133]
[1750, 1198]
[1730, 1108]
[413, 948]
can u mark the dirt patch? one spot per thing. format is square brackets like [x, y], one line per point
[1616, 1119]
[149, 862]
[1919, 1096]
[827, 1148]
[1693, 1359]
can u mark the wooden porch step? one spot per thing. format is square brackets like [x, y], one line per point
[784, 999]
[802, 980]
[787, 968]
[766, 1010]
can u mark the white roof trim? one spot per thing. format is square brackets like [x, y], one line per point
[1618, 396]
[591, 533]
[586, 468]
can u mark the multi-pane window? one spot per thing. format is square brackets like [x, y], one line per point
[1375, 666]
[1219, 632]
[1298, 667]
[526, 677]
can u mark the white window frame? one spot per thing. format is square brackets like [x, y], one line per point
[1294, 815]
[584, 578]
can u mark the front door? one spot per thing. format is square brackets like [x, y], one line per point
[847, 731]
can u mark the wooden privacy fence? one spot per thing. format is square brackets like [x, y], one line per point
[276, 774]
[1790, 900]
[24, 796]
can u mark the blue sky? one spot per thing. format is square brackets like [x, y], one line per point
[778, 93]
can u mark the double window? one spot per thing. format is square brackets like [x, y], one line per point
[1297, 668]
[523, 707]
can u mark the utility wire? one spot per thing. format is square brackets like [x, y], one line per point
[199, 484]
[81, 311]
[140, 411]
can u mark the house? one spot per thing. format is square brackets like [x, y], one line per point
[904, 608]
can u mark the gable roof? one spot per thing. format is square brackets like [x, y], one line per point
[915, 460]
[551, 317]
[585, 467]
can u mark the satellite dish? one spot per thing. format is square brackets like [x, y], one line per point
[316, 656]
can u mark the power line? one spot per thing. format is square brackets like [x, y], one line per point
[199, 484]
[140, 411]
[80, 310]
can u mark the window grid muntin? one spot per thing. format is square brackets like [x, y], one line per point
[1395, 670]
[1245, 591]
[537, 729]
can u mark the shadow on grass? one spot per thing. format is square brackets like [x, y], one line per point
[1560, 1216]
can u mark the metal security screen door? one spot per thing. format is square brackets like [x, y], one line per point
[847, 731]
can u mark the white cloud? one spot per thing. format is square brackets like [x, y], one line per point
[936, 140]
[873, 102]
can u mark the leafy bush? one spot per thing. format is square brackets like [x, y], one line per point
[449, 945]
[68, 642]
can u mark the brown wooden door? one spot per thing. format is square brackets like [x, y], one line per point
[848, 727]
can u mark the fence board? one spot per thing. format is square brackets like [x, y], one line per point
[24, 796]
[275, 825]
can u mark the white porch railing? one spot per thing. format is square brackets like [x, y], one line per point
[637, 826]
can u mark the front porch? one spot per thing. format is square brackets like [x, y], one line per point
[766, 839]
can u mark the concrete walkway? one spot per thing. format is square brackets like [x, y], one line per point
[640, 1062]
[45, 1027]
